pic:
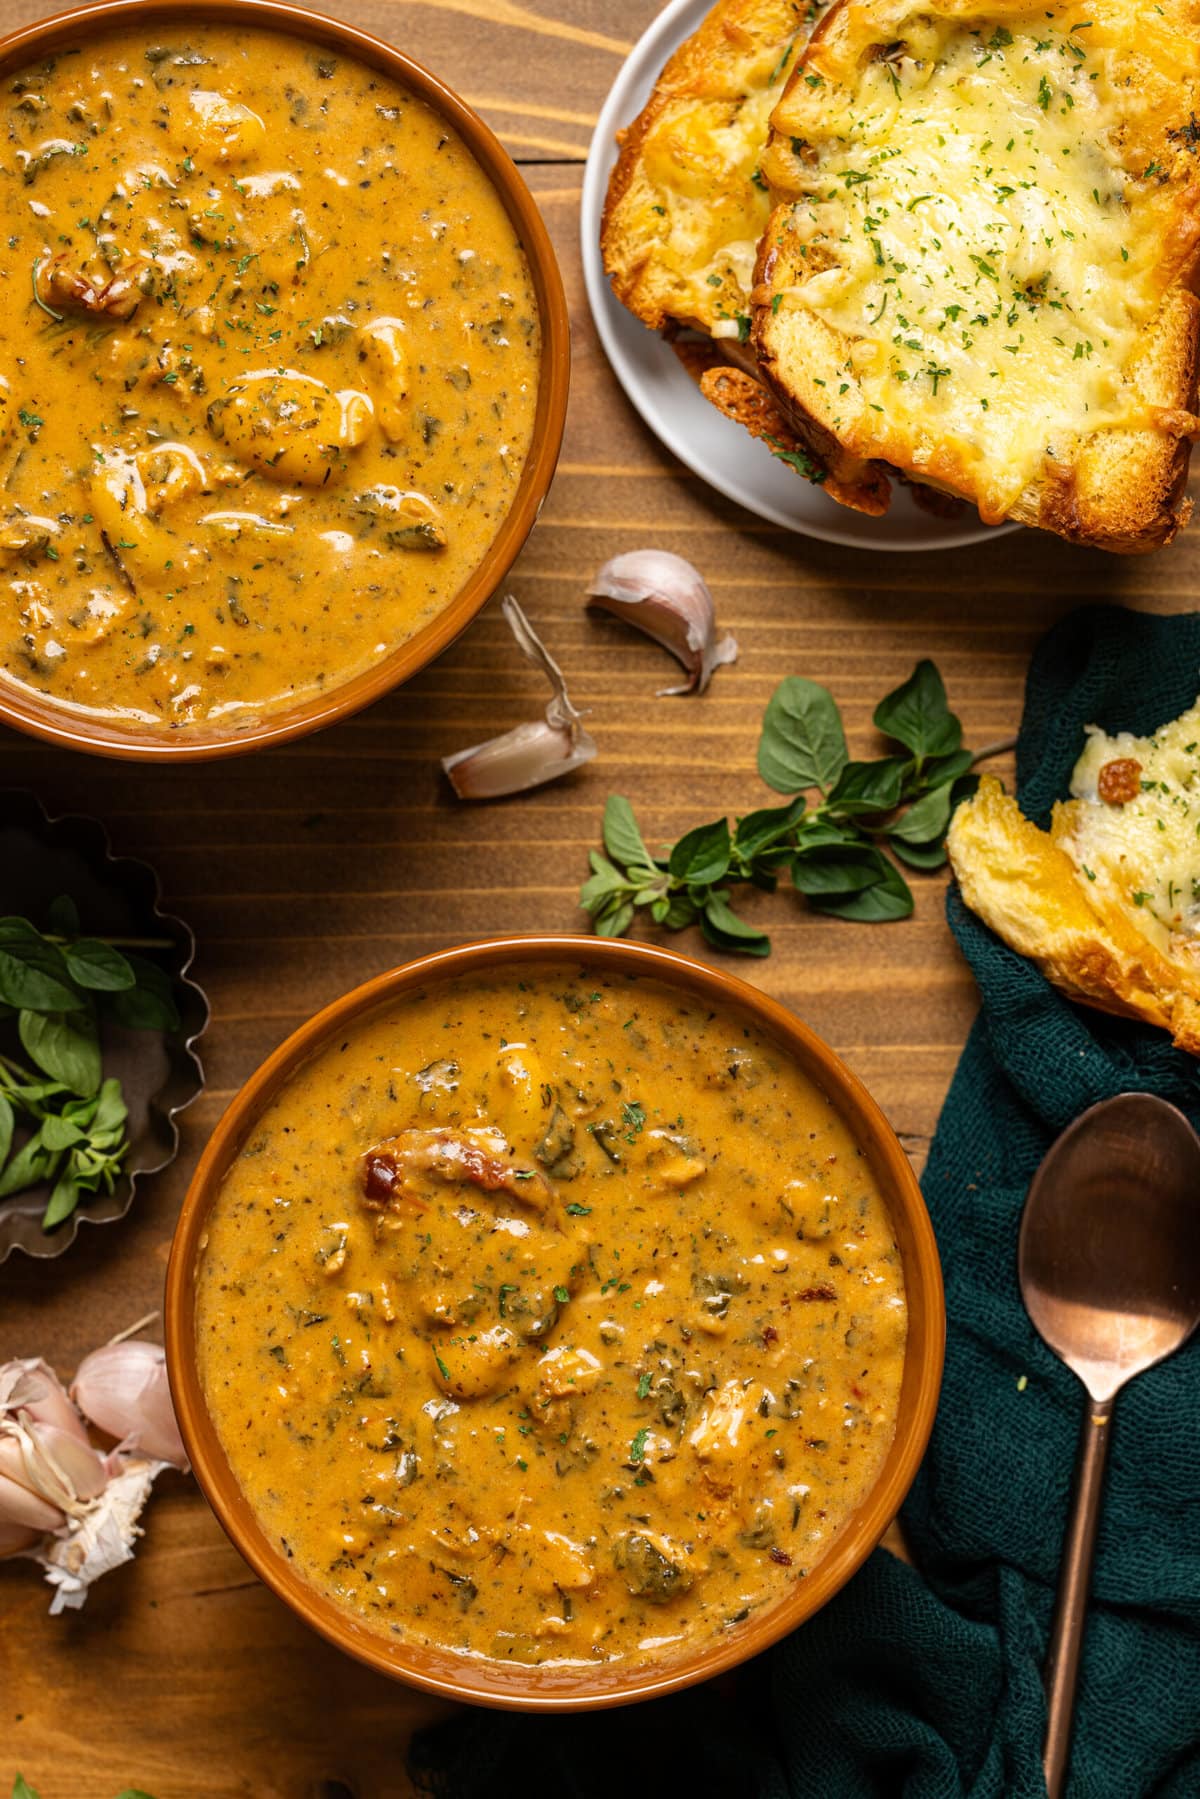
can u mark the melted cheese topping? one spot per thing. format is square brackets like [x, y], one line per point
[978, 243]
[701, 165]
[1146, 852]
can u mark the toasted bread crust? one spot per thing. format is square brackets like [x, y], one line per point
[1117, 484]
[1025, 886]
[744, 399]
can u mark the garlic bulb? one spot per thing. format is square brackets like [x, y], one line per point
[63, 1503]
[123, 1388]
[529, 754]
[669, 600]
[49, 1472]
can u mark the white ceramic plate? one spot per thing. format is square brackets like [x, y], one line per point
[713, 447]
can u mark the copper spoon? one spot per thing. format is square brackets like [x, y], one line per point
[1109, 1265]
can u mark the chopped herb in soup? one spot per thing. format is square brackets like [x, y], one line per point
[268, 371]
[552, 1318]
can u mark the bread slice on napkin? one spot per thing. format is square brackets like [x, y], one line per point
[1107, 902]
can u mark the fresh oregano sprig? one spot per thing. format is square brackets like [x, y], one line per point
[61, 1121]
[831, 849]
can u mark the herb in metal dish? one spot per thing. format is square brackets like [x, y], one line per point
[56, 986]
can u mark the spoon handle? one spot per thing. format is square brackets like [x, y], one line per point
[1070, 1611]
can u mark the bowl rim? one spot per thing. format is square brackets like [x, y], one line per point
[40, 716]
[519, 1687]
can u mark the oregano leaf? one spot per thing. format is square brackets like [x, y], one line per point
[34, 975]
[926, 819]
[917, 714]
[98, 966]
[150, 1005]
[803, 743]
[863, 788]
[702, 856]
[64, 1045]
[622, 838]
[884, 900]
[62, 1202]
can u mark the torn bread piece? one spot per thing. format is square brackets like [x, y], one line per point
[1107, 902]
[978, 266]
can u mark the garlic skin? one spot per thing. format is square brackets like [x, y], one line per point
[529, 754]
[103, 1539]
[123, 1388]
[664, 596]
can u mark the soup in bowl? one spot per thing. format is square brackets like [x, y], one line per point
[282, 374]
[554, 1322]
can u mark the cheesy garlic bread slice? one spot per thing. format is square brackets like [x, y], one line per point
[979, 262]
[1107, 902]
[687, 201]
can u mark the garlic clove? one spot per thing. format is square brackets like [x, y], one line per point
[20, 1506]
[52, 1464]
[16, 1537]
[79, 1470]
[664, 596]
[32, 1387]
[123, 1388]
[529, 754]
[524, 757]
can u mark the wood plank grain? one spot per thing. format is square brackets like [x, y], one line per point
[186, 1677]
[307, 869]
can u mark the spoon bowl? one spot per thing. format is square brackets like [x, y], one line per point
[1109, 1257]
[1109, 1266]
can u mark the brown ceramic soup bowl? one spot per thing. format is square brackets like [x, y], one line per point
[40, 715]
[575, 1687]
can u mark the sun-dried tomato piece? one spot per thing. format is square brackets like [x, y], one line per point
[475, 1156]
[380, 1175]
[1120, 781]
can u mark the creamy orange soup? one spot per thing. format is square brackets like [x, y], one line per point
[552, 1318]
[268, 372]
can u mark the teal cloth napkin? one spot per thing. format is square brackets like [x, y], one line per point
[927, 1685]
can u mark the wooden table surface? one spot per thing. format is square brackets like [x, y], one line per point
[306, 869]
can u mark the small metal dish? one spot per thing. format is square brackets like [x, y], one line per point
[159, 1071]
